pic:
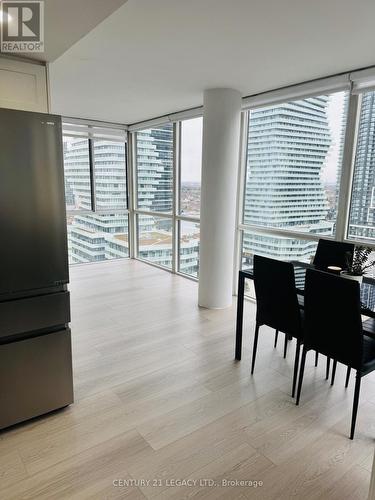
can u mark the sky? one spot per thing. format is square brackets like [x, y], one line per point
[191, 150]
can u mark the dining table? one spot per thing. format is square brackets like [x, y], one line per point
[367, 295]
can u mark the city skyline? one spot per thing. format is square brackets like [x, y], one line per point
[155, 186]
[298, 143]
[96, 236]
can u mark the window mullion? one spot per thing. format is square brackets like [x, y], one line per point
[343, 205]
[241, 185]
[92, 174]
[131, 173]
[188, 218]
[176, 187]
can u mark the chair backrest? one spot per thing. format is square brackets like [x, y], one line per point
[275, 290]
[333, 253]
[332, 323]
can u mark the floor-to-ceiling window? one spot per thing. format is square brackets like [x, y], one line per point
[96, 193]
[189, 195]
[154, 194]
[292, 179]
[167, 195]
[295, 186]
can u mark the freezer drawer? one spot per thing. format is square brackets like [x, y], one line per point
[35, 376]
[34, 313]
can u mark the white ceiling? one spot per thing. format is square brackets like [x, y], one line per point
[153, 57]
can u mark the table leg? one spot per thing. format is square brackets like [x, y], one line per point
[240, 300]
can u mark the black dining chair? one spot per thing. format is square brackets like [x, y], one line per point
[333, 327]
[333, 253]
[368, 327]
[277, 304]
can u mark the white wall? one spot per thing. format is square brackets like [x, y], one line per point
[23, 85]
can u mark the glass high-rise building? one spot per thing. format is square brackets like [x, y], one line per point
[155, 169]
[101, 235]
[362, 210]
[288, 147]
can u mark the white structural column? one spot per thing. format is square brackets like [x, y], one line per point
[221, 139]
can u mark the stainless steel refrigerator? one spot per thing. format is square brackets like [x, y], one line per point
[35, 339]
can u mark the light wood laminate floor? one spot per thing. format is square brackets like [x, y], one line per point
[159, 400]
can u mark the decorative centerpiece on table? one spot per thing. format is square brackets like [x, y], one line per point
[359, 264]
